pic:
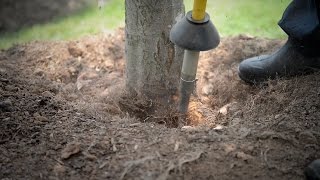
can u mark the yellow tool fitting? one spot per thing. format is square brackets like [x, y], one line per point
[199, 10]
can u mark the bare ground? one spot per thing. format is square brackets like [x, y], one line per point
[61, 117]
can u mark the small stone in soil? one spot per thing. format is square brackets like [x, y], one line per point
[6, 105]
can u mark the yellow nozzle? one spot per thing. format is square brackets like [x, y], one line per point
[199, 10]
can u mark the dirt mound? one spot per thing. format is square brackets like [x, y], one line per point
[60, 117]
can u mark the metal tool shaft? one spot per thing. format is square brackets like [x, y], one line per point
[188, 78]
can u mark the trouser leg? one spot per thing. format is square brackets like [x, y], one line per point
[300, 54]
[301, 22]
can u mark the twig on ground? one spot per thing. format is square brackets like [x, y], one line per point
[265, 156]
[113, 143]
[165, 174]
[130, 164]
[185, 159]
[188, 158]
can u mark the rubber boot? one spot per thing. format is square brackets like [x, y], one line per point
[312, 172]
[291, 60]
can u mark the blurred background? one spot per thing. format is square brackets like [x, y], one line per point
[27, 20]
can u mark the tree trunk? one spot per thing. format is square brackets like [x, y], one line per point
[153, 62]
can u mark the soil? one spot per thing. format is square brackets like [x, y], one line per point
[61, 117]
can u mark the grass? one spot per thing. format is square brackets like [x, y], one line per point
[254, 17]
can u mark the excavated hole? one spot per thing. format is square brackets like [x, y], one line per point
[150, 111]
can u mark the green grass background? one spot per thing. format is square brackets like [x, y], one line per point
[231, 17]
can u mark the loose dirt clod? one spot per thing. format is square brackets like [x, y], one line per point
[59, 169]
[70, 149]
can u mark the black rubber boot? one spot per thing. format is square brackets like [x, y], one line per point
[292, 59]
[312, 172]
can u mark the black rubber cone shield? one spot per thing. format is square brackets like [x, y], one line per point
[195, 35]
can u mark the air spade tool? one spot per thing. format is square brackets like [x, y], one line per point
[194, 33]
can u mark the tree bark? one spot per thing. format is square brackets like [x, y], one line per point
[153, 62]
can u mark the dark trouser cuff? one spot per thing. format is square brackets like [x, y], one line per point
[301, 22]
